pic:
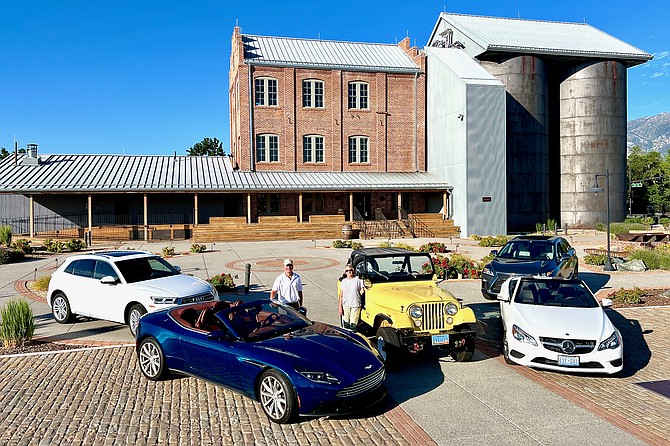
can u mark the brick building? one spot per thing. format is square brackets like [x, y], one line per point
[301, 105]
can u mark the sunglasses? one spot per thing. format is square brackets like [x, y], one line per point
[348, 270]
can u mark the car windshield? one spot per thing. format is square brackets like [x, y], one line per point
[527, 250]
[259, 320]
[556, 293]
[145, 268]
[396, 268]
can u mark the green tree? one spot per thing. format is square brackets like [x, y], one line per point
[3, 153]
[652, 171]
[209, 147]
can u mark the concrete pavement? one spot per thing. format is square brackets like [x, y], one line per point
[484, 401]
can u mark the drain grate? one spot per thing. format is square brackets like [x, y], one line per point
[660, 387]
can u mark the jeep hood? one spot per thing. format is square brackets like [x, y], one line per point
[404, 294]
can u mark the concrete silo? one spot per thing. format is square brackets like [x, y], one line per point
[526, 82]
[592, 140]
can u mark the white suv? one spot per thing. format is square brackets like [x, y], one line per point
[121, 286]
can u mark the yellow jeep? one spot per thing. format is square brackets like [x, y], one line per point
[405, 309]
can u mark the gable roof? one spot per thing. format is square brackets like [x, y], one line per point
[331, 54]
[130, 173]
[497, 34]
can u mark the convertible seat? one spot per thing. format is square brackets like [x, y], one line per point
[207, 321]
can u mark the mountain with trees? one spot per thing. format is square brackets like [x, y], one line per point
[651, 133]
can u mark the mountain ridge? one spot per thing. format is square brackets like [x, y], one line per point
[650, 133]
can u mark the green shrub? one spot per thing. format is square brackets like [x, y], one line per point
[52, 245]
[465, 265]
[651, 258]
[347, 244]
[633, 220]
[385, 244]
[551, 225]
[168, 251]
[17, 326]
[196, 248]
[75, 245]
[633, 296]
[476, 237]
[23, 246]
[443, 269]
[594, 259]
[664, 221]
[624, 228]
[222, 281]
[42, 284]
[538, 227]
[404, 246]
[493, 240]
[10, 255]
[648, 221]
[433, 247]
[5, 236]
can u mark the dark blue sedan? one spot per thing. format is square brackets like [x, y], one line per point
[266, 351]
[529, 255]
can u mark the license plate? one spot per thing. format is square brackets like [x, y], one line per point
[568, 361]
[440, 339]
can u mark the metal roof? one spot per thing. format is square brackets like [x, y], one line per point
[309, 53]
[541, 37]
[463, 66]
[129, 173]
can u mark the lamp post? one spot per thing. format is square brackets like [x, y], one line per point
[596, 188]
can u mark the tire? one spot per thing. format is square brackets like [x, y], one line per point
[151, 359]
[277, 397]
[388, 346]
[134, 315]
[464, 354]
[60, 308]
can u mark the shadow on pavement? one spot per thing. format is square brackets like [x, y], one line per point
[636, 353]
[595, 281]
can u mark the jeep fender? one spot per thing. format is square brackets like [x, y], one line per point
[380, 319]
[465, 316]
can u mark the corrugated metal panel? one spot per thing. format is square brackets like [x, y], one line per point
[118, 173]
[326, 54]
[559, 38]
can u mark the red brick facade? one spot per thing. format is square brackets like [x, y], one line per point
[394, 122]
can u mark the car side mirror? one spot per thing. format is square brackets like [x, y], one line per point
[494, 252]
[178, 268]
[606, 303]
[503, 297]
[109, 280]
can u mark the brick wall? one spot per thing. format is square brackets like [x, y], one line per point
[394, 124]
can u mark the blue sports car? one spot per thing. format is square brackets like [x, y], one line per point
[266, 351]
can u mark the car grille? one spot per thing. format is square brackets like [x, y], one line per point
[495, 288]
[580, 346]
[433, 316]
[197, 298]
[364, 384]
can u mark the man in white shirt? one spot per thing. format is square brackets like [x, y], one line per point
[287, 287]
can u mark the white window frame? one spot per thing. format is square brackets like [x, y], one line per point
[358, 95]
[265, 91]
[311, 152]
[265, 152]
[359, 150]
[310, 97]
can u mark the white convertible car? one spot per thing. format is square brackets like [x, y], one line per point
[557, 324]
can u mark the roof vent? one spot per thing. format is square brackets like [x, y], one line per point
[31, 159]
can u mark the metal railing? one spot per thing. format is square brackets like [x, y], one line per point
[414, 225]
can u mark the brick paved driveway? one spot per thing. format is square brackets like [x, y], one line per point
[98, 397]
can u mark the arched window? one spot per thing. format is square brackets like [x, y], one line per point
[358, 96]
[267, 148]
[265, 91]
[312, 149]
[312, 93]
[358, 149]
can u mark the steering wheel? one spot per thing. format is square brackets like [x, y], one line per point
[269, 320]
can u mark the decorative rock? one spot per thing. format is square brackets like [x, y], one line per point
[633, 265]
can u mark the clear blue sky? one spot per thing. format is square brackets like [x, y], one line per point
[151, 77]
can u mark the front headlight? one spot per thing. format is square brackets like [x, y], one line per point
[415, 311]
[164, 300]
[522, 336]
[320, 377]
[545, 274]
[609, 343]
[487, 271]
[451, 308]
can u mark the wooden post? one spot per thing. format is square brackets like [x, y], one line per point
[399, 205]
[249, 208]
[146, 220]
[300, 208]
[32, 216]
[351, 206]
[90, 214]
[445, 196]
[195, 207]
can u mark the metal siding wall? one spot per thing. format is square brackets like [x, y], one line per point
[486, 172]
